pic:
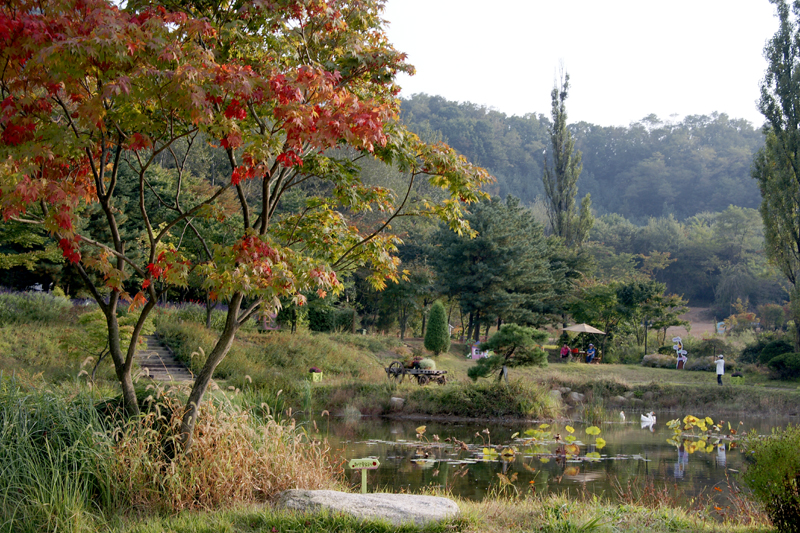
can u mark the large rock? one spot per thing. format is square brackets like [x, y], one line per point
[556, 394]
[619, 400]
[397, 509]
[574, 398]
[565, 390]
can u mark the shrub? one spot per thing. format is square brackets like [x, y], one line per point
[707, 348]
[626, 354]
[773, 475]
[320, 319]
[787, 365]
[709, 364]
[666, 350]
[774, 349]
[427, 364]
[659, 361]
[28, 307]
[437, 337]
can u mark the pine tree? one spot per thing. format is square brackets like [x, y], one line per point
[437, 337]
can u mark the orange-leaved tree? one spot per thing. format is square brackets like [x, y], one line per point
[287, 90]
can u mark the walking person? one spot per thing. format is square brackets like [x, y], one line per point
[720, 368]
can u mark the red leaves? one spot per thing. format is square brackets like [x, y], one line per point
[242, 173]
[70, 251]
[231, 141]
[290, 159]
[235, 110]
[138, 142]
[146, 284]
[16, 134]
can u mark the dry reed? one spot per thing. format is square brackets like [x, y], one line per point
[234, 459]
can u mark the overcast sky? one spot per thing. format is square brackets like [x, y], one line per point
[626, 58]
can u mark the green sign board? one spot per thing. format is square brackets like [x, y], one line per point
[369, 464]
[364, 465]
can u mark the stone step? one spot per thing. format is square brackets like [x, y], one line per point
[158, 362]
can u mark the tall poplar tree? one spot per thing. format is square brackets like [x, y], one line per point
[561, 178]
[777, 164]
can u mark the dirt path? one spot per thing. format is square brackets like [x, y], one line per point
[701, 324]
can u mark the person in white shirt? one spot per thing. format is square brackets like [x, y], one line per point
[720, 368]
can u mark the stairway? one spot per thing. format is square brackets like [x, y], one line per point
[157, 362]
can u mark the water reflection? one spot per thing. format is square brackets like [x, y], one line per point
[469, 459]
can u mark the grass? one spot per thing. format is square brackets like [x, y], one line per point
[499, 514]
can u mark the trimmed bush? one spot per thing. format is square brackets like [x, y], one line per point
[321, 319]
[774, 349]
[708, 364]
[437, 336]
[657, 360]
[773, 475]
[787, 365]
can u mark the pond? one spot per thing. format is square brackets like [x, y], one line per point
[471, 459]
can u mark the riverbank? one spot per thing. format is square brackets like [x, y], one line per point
[501, 514]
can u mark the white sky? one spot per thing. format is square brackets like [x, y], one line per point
[626, 58]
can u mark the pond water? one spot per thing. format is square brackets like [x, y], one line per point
[545, 459]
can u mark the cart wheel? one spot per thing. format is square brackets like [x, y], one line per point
[396, 371]
[441, 380]
[422, 379]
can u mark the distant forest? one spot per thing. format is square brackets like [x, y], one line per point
[648, 169]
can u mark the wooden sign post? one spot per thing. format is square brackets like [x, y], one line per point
[364, 465]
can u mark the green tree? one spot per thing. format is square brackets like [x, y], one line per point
[503, 273]
[777, 166]
[561, 178]
[514, 346]
[437, 337]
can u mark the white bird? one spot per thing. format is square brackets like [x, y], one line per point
[649, 419]
[622, 416]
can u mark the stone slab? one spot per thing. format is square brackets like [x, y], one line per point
[396, 509]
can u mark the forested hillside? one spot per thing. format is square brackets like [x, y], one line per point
[650, 168]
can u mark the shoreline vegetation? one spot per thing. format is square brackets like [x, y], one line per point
[71, 463]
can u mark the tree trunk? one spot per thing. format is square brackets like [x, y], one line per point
[403, 319]
[423, 323]
[469, 325]
[794, 305]
[477, 328]
[209, 310]
[122, 368]
[203, 379]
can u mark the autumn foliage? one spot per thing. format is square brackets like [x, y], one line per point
[91, 91]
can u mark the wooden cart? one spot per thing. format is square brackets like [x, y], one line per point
[397, 372]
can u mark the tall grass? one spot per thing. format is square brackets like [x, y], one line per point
[233, 460]
[32, 307]
[70, 463]
[54, 462]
